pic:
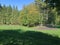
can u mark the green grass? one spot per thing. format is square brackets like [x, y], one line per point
[23, 28]
[21, 35]
[52, 32]
[9, 27]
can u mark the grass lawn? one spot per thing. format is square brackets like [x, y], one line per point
[20, 35]
[8, 27]
[23, 28]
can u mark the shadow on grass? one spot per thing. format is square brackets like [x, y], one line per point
[17, 37]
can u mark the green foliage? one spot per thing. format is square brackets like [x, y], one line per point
[51, 15]
[54, 6]
[53, 3]
[40, 12]
[29, 15]
[41, 6]
[8, 15]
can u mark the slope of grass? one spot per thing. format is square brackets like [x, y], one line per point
[23, 28]
[52, 32]
[20, 35]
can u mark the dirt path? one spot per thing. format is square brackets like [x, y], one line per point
[44, 28]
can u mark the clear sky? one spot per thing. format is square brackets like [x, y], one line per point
[18, 3]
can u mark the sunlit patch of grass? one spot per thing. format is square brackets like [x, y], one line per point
[9, 27]
[23, 28]
[51, 32]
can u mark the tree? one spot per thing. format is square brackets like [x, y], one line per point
[41, 5]
[8, 15]
[14, 15]
[29, 16]
[0, 14]
[53, 3]
[54, 7]
[9, 12]
[4, 14]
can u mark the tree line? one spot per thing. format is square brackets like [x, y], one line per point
[8, 15]
[40, 12]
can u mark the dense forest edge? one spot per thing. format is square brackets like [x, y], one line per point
[40, 12]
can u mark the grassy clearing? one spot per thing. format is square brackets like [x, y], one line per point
[13, 27]
[52, 32]
[20, 35]
[23, 28]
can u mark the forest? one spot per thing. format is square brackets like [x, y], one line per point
[40, 12]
